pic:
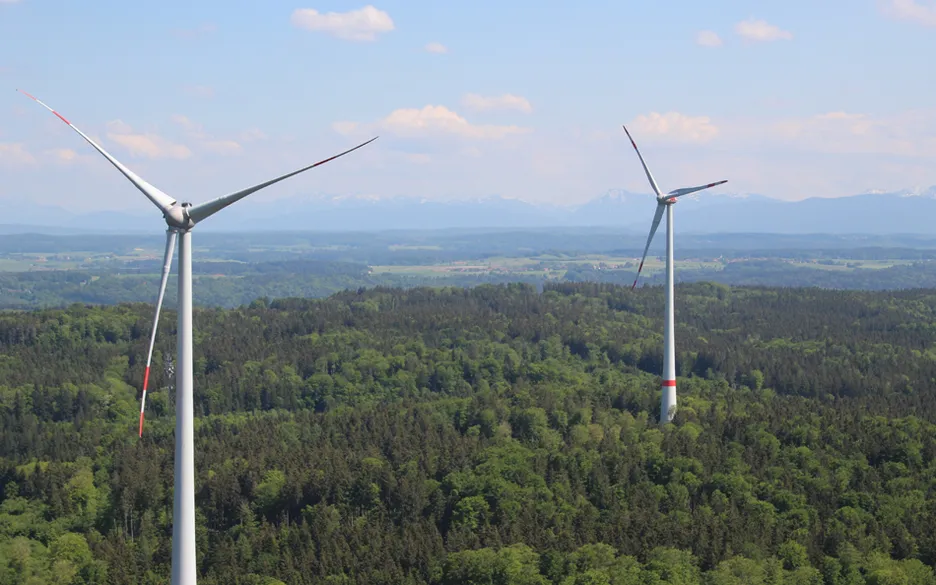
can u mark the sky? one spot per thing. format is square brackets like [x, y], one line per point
[521, 99]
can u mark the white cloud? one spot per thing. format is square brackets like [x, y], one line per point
[363, 24]
[430, 121]
[15, 154]
[118, 127]
[200, 91]
[146, 145]
[345, 127]
[204, 141]
[761, 30]
[187, 124]
[225, 147]
[252, 135]
[151, 146]
[436, 48]
[440, 120]
[65, 155]
[909, 134]
[836, 153]
[922, 12]
[502, 102]
[708, 38]
[676, 127]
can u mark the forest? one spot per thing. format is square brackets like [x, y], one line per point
[501, 434]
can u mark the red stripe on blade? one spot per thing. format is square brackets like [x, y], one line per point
[669, 383]
[61, 117]
[638, 276]
[143, 398]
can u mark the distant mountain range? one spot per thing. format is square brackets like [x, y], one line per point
[901, 212]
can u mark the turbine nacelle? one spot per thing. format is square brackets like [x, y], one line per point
[177, 217]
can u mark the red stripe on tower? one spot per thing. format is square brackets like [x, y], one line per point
[669, 383]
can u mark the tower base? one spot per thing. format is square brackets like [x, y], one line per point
[668, 403]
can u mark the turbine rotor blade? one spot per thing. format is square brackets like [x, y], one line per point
[653, 228]
[206, 210]
[653, 183]
[688, 190]
[171, 236]
[159, 199]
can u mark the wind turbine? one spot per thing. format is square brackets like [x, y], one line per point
[180, 219]
[665, 202]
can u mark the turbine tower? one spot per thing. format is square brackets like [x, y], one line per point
[665, 203]
[180, 219]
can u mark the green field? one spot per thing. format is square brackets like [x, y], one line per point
[551, 265]
[847, 265]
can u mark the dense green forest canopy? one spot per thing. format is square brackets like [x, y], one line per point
[493, 435]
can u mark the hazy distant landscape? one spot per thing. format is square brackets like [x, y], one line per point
[319, 246]
[49, 270]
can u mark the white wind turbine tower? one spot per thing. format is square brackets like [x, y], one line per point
[181, 218]
[665, 202]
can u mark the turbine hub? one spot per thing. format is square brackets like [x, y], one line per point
[177, 217]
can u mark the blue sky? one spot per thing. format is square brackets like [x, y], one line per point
[520, 99]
